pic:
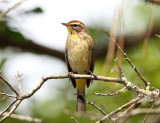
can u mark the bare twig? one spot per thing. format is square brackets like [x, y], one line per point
[145, 111]
[148, 86]
[11, 111]
[157, 35]
[119, 68]
[129, 61]
[19, 81]
[74, 119]
[25, 118]
[3, 98]
[10, 86]
[8, 95]
[126, 113]
[7, 107]
[147, 115]
[11, 8]
[112, 94]
[134, 112]
[95, 106]
[119, 109]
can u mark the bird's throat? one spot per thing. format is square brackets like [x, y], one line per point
[69, 31]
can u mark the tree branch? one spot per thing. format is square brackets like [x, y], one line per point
[30, 46]
[127, 84]
[74, 120]
[11, 111]
[119, 109]
[95, 106]
[111, 94]
[7, 83]
[5, 110]
[122, 116]
[11, 8]
[129, 61]
[157, 35]
[25, 118]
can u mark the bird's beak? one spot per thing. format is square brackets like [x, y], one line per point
[66, 24]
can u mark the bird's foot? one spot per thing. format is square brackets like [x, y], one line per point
[70, 75]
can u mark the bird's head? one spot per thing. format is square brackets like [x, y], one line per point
[75, 26]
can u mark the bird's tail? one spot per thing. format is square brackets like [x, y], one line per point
[81, 104]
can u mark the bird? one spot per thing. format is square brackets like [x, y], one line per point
[80, 58]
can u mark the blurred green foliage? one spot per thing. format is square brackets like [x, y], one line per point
[6, 34]
[2, 62]
[10, 36]
[37, 10]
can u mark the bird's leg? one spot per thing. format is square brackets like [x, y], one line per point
[70, 75]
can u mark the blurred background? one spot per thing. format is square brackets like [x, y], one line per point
[32, 41]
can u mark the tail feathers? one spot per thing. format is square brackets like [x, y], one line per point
[81, 104]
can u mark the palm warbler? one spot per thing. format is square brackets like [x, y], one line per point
[79, 55]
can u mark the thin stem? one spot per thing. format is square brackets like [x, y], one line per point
[10, 86]
[129, 61]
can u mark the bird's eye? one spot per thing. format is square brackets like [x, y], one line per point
[74, 25]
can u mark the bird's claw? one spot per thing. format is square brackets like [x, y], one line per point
[70, 75]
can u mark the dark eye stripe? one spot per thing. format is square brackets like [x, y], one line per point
[74, 25]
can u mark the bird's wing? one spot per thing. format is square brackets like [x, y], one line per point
[68, 67]
[92, 62]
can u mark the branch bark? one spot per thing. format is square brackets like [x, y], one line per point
[147, 93]
[11, 8]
